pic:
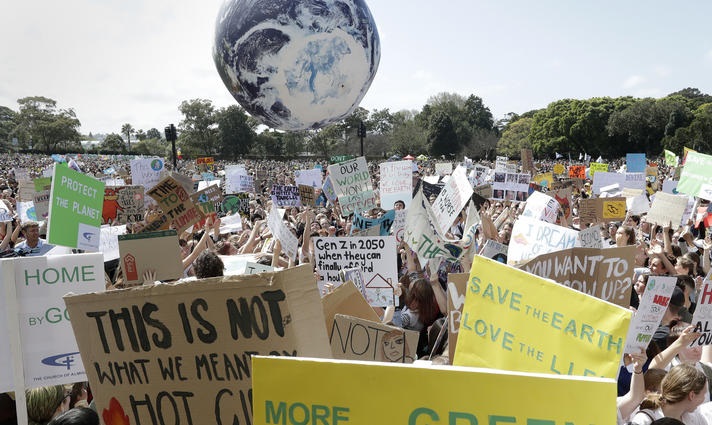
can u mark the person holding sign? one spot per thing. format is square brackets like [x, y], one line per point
[33, 245]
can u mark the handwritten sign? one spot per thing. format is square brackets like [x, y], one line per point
[650, 312]
[396, 183]
[513, 320]
[182, 353]
[353, 338]
[532, 237]
[455, 194]
[666, 209]
[285, 196]
[123, 204]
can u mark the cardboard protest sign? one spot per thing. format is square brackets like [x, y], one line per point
[532, 237]
[383, 394]
[375, 256]
[595, 167]
[577, 171]
[279, 230]
[666, 209]
[353, 338]
[696, 172]
[527, 161]
[606, 274]
[146, 172]
[702, 319]
[602, 210]
[635, 162]
[75, 209]
[651, 309]
[41, 202]
[513, 320]
[456, 291]
[591, 237]
[48, 349]
[396, 183]
[158, 251]
[176, 205]
[352, 184]
[443, 168]
[181, 353]
[348, 300]
[207, 201]
[307, 195]
[285, 196]
[452, 199]
[122, 204]
[541, 207]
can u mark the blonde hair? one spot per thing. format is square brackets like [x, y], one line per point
[42, 403]
[676, 385]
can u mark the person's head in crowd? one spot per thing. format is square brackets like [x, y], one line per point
[77, 416]
[687, 353]
[208, 264]
[653, 378]
[44, 403]
[633, 220]
[399, 205]
[505, 234]
[184, 247]
[681, 390]
[667, 421]
[625, 236]
[224, 247]
[696, 260]
[640, 283]
[687, 284]
[612, 228]
[657, 267]
[686, 264]
[31, 232]
[420, 298]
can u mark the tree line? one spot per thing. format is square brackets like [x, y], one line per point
[447, 125]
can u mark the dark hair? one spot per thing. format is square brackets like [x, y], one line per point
[421, 298]
[76, 416]
[208, 264]
[667, 421]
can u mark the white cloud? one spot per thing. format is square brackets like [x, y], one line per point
[633, 81]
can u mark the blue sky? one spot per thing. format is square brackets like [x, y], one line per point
[134, 61]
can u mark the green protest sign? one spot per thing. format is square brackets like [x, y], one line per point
[76, 201]
[696, 174]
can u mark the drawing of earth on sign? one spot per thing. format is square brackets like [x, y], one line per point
[296, 65]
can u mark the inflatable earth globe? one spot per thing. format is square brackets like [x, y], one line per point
[297, 65]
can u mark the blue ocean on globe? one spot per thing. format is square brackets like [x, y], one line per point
[297, 65]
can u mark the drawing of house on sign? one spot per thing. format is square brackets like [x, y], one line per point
[380, 292]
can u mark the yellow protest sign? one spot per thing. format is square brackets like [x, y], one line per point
[296, 391]
[594, 167]
[544, 179]
[559, 168]
[614, 209]
[513, 320]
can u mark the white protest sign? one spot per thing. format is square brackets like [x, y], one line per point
[591, 237]
[532, 237]
[650, 312]
[452, 199]
[670, 186]
[231, 223]
[431, 179]
[49, 350]
[501, 163]
[237, 180]
[5, 213]
[352, 183]
[705, 191]
[254, 268]
[541, 207]
[638, 204]
[203, 184]
[236, 264]
[398, 226]
[285, 196]
[279, 230]
[146, 172]
[311, 177]
[702, 319]
[396, 183]
[375, 256]
[443, 168]
[630, 180]
[109, 241]
[495, 251]
[667, 208]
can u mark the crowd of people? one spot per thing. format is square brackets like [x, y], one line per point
[666, 382]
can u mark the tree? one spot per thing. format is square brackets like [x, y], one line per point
[141, 135]
[442, 137]
[153, 147]
[154, 134]
[45, 127]
[8, 122]
[236, 131]
[477, 114]
[407, 136]
[267, 144]
[113, 143]
[294, 143]
[127, 130]
[698, 135]
[694, 98]
[199, 129]
[515, 137]
[381, 122]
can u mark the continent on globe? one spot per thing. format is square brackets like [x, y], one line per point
[297, 65]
